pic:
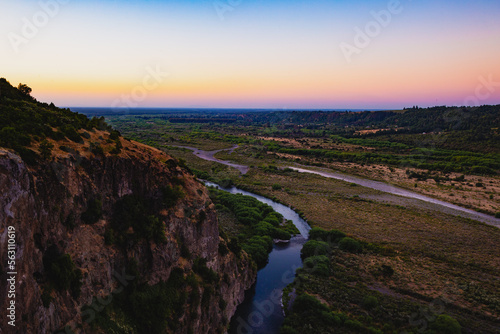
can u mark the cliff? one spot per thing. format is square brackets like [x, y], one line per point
[112, 235]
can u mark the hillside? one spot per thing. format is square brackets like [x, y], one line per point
[111, 235]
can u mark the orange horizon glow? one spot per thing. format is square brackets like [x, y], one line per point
[283, 55]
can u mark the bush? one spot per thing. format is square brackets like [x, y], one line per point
[223, 250]
[444, 324]
[309, 312]
[258, 247]
[114, 135]
[305, 303]
[70, 132]
[208, 275]
[317, 233]
[96, 148]
[386, 270]
[61, 271]
[11, 138]
[276, 186]
[134, 211]
[46, 298]
[288, 330]
[317, 265]
[350, 245]
[313, 248]
[234, 246]
[153, 308]
[370, 302]
[171, 195]
[45, 149]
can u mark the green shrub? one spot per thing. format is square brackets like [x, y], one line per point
[276, 186]
[258, 247]
[97, 149]
[171, 194]
[46, 297]
[350, 245]
[288, 330]
[317, 233]
[444, 324]
[305, 303]
[46, 149]
[309, 312]
[370, 302]
[223, 250]
[153, 308]
[109, 236]
[234, 246]
[134, 211]
[259, 224]
[318, 265]
[70, 132]
[61, 271]
[208, 275]
[114, 135]
[11, 138]
[313, 247]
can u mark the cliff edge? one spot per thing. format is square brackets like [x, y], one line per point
[109, 235]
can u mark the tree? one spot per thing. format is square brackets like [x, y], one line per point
[46, 149]
[23, 88]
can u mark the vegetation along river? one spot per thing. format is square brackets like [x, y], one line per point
[262, 311]
[411, 198]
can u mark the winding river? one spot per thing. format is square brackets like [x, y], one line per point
[261, 311]
[413, 198]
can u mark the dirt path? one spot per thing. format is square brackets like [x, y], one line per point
[210, 156]
[388, 188]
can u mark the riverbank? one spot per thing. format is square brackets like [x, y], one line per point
[261, 312]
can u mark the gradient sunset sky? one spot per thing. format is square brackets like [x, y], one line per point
[253, 53]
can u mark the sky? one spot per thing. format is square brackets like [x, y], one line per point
[289, 54]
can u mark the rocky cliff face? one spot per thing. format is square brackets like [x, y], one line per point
[47, 204]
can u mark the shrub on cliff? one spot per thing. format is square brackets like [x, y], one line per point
[171, 194]
[61, 271]
[135, 212]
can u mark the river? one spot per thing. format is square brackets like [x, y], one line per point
[415, 199]
[261, 312]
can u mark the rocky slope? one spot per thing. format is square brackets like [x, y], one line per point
[71, 202]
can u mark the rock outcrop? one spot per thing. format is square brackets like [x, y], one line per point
[45, 204]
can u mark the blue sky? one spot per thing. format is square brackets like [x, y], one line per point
[255, 53]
